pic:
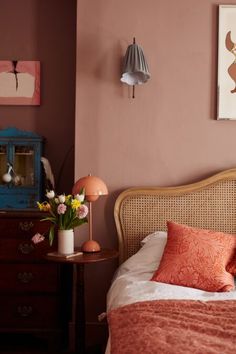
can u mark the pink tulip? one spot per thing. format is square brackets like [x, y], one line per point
[83, 211]
[37, 238]
[61, 209]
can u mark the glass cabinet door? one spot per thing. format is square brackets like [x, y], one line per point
[23, 165]
[3, 161]
[21, 174]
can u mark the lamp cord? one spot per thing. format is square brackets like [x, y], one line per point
[134, 42]
[90, 221]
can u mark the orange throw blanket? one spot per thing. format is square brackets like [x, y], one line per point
[174, 327]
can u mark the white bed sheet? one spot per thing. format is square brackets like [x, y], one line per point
[136, 286]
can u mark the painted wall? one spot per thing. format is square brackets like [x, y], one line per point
[46, 31]
[168, 134]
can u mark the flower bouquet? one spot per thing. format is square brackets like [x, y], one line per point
[65, 213]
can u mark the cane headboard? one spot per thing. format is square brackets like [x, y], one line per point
[209, 204]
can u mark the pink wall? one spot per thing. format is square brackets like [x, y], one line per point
[44, 31]
[168, 134]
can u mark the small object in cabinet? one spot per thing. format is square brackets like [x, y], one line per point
[20, 168]
[7, 177]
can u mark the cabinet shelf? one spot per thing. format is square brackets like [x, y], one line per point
[24, 153]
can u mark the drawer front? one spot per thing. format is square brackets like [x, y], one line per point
[16, 234]
[15, 249]
[24, 227]
[29, 277]
[27, 312]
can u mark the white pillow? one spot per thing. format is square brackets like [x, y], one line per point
[154, 235]
[148, 258]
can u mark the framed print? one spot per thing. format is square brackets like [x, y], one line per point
[227, 63]
[19, 82]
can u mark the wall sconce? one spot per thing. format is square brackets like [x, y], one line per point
[94, 187]
[135, 67]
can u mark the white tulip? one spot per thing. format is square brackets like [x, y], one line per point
[50, 194]
[62, 198]
[80, 197]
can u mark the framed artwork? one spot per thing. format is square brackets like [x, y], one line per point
[227, 63]
[19, 82]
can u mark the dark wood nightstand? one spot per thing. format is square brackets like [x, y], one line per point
[77, 324]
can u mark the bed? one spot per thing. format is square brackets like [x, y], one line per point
[147, 316]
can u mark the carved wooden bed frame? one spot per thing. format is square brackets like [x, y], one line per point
[209, 204]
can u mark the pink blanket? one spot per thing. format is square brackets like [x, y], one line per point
[174, 327]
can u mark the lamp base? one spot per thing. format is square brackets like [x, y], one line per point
[91, 246]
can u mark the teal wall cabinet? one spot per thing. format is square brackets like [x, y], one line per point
[20, 169]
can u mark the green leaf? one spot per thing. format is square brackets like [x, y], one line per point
[50, 219]
[82, 191]
[78, 222]
[51, 234]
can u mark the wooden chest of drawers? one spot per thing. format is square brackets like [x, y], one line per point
[30, 287]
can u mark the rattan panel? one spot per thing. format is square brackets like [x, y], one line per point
[212, 207]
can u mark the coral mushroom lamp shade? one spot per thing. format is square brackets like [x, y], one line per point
[94, 188]
[135, 67]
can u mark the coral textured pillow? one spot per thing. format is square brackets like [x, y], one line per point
[196, 258]
[231, 267]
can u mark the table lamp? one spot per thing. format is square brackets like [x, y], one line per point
[94, 187]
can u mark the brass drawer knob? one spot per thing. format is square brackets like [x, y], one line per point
[26, 225]
[25, 248]
[24, 310]
[25, 277]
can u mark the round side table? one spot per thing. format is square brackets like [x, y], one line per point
[77, 324]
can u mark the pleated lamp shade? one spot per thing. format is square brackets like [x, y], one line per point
[135, 67]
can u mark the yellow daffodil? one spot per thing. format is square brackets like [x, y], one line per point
[44, 206]
[75, 204]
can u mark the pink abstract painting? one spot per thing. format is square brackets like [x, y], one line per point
[19, 82]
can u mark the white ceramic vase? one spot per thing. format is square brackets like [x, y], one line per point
[65, 241]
